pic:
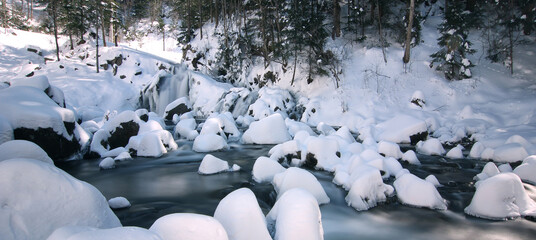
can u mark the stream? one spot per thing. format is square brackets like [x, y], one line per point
[170, 184]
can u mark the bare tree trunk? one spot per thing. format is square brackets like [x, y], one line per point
[217, 12]
[336, 20]
[511, 38]
[408, 32]
[189, 23]
[380, 31]
[54, 21]
[4, 9]
[97, 41]
[200, 19]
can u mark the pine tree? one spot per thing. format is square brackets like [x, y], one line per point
[451, 58]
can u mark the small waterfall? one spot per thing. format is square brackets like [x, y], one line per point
[165, 88]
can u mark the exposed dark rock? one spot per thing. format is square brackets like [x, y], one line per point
[105, 66]
[179, 110]
[310, 161]
[122, 76]
[30, 74]
[415, 138]
[61, 67]
[144, 117]
[36, 51]
[56, 146]
[138, 73]
[120, 136]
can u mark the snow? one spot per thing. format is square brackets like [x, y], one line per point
[90, 233]
[433, 180]
[389, 149]
[188, 226]
[431, 146]
[299, 178]
[23, 149]
[209, 143]
[45, 198]
[153, 143]
[186, 128]
[296, 215]
[118, 203]
[413, 191]
[367, 188]
[123, 157]
[510, 152]
[455, 152]
[269, 130]
[324, 151]
[241, 216]
[411, 157]
[183, 100]
[295, 127]
[265, 169]
[526, 170]
[40, 82]
[212, 165]
[399, 129]
[107, 163]
[501, 197]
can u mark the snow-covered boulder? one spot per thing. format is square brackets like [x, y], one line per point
[299, 178]
[209, 143]
[510, 152]
[265, 169]
[186, 128]
[152, 143]
[367, 189]
[410, 157]
[433, 180]
[241, 216]
[501, 197]
[431, 146]
[6, 131]
[476, 150]
[212, 165]
[116, 132]
[34, 116]
[527, 171]
[489, 170]
[118, 203]
[91, 233]
[455, 152]
[402, 129]
[285, 151]
[321, 152]
[44, 198]
[295, 127]
[270, 101]
[269, 130]
[123, 157]
[325, 129]
[389, 149]
[23, 149]
[179, 107]
[107, 163]
[413, 191]
[188, 226]
[296, 215]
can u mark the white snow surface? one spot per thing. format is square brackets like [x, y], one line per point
[296, 215]
[23, 149]
[45, 198]
[118, 202]
[212, 165]
[91, 233]
[501, 197]
[264, 169]
[209, 143]
[431, 146]
[366, 189]
[107, 163]
[241, 216]
[526, 170]
[399, 129]
[413, 191]
[299, 178]
[188, 226]
[389, 149]
[269, 130]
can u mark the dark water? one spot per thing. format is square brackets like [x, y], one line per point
[170, 184]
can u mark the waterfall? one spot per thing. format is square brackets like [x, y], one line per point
[165, 88]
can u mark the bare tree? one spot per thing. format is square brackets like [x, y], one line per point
[407, 43]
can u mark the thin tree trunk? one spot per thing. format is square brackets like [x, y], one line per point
[71, 40]
[200, 19]
[54, 21]
[380, 31]
[408, 33]
[97, 41]
[336, 20]
[511, 39]
[4, 9]
[217, 12]
[189, 23]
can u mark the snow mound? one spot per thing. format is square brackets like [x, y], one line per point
[389, 149]
[90, 233]
[107, 163]
[526, 171]
[489, 170]
[413, 191]
[295, 127]
[45, 198]
[270, 101]
[188, 226]
[296, 215]
[400, 129]
[209, 143]
[185, 128]
[265, 169]
[269, 130]
[123, 157]
[411, 157]
[325, 129]
[367, 189]
[510, 152]
[431, 146]
[153, 143]
[298, 178]
[212, 165]
[40, 82]
[323, 150]
[455, 152]
[241, 216]
[23, 149]
[476, 150]
[433, 180]
[501, 197]
[118, 203]
[6, 132]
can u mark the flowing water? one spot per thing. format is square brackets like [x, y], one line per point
[170, 184]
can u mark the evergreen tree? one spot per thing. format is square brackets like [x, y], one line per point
[451, 58]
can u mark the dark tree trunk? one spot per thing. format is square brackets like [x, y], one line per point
[54, 22]
[408, 32]
[336, 20]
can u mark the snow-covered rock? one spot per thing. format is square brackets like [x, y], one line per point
[107, 163]
[179, 107]
[186, 128]
[45, 198]
[401, 129]
[295, 127]
[455, 152]
[91, 233]
[527, 170]
[367, 189]
[118, 203]
[23, 149]
[296, 215]
[431, 146]
[154, 143]
[489, 170]
[283, 151]
[241, 216]
[389, 149]
[413, 191]
[123, 157]
[501, 197]
[6, 131]
[265, 169]
[325, 129]
[510, 152]
[433, 180]
[322, 149]
[417, 99]
[476, 150]
[212, 165]
[271, 100]
[299, 178]
[188, 226]
[269, 130]
[209, 143]
[411, 157]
